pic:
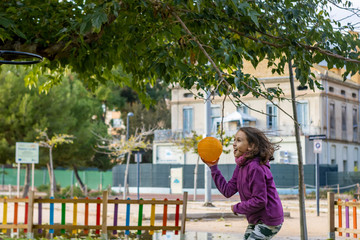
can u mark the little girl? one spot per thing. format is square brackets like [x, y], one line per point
[253, 180]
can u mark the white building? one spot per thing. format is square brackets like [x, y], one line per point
[333, 111]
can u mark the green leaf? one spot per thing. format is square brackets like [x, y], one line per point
[6, 22]
[253, 15]
[98, 19]
[19, 33]
[183, 67]
[85, 27]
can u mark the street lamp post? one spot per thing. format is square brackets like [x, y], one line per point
[130, 114]
[138, 160]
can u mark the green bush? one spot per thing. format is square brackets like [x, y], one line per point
[322, 193]
[66, 192]
[46, 189]
[95, 194]
[43, 188]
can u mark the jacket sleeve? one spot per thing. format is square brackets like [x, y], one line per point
[227, 189]
[258, 193]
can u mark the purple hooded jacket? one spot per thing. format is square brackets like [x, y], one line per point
[259, 199]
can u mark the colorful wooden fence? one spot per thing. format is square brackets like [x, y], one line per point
[102, 224]
[340, 218]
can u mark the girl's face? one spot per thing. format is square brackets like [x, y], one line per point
[241, 144]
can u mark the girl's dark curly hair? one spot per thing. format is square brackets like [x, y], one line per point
[262, 147]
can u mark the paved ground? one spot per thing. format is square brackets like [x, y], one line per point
[216, 222]
[220, 227]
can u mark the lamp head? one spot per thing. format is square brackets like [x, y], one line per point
[130, 114]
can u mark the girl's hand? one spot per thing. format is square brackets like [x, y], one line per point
[210, 164]
[232, 209]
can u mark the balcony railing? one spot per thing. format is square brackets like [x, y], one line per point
[168, 135]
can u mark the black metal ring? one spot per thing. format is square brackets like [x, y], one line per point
[20, 53]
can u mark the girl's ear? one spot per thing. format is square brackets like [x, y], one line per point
[251, 147]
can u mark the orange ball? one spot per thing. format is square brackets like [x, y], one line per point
[209, 149]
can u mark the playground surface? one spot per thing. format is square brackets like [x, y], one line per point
[216, 219]
[317, 226]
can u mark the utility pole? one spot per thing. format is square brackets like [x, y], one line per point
[207, 171]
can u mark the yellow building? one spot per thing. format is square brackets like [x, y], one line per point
[333, 111]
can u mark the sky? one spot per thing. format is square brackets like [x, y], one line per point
[339, 14]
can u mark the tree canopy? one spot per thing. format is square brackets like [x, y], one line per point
[66, 109]
[194, 43]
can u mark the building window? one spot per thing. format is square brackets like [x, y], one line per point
[271, 89]
[187, 120]
[356, 160]
[117, 122]
[333, 155]
[343, 93]
[345, 159]
[343, 122]
[345, 167]
[353, 95]
[355, 124]
[215, 113]
[188, 95]
[302, 109]
[271, 117]
[242, 108]
[331, 89]
[302, 88]
[332, 120]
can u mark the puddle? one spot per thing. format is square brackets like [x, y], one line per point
[197, 236]
[215, 236]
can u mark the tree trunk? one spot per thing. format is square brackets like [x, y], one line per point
[195, 177]
[52, 177]
[303, 229]
[82, 185]
[49, 171]
[27, 180]
[126, 174]
[3, 176]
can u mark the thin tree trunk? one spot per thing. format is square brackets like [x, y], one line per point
[3, 176]
[52, 177]
[303, 228]
[78, 178]
[27, 180]
[49, 171]
[126, 174]
[195, 177]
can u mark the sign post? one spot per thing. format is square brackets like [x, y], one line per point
[26, 152]
[138, 159]
[317, 150]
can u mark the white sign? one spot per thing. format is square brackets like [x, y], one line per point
[176, 176]
[169, 154]
[27, 152]
[317, 146]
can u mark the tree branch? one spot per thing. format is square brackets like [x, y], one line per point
[218, 71]
[308, 47]
[258, 40]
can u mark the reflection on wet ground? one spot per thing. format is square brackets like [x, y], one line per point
[214, 236]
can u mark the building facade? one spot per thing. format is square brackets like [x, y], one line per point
[332, 111]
